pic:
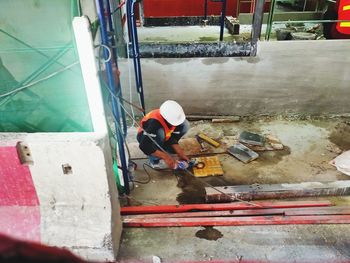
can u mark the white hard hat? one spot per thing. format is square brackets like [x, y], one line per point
[172, 112]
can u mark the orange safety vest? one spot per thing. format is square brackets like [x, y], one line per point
[344, 14]
[155, 114]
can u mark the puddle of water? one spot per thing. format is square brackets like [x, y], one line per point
[209, 233]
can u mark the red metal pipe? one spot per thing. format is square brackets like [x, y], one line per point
[302, 211]
[238, 221]
[133, 210]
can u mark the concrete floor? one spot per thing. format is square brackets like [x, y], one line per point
[310, 145]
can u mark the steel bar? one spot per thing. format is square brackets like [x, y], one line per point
[302, 211]
[277, 191]
[130, 4]
[270, 20]
[112, 33]
[222, 20]
[310, 21]
[133, 210]
[256, 27]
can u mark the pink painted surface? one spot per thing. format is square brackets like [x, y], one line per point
[22, 222]
[19, 203]
[16, 182]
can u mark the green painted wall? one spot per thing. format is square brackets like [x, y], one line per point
[39, 57]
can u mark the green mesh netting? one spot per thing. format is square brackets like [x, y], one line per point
[38, 59]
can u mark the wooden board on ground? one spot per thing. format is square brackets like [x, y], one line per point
[190, 146]
[212, 167]
[277, 191]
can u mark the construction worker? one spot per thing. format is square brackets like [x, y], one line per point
[164, 126]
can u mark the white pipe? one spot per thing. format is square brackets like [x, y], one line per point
[85, 47]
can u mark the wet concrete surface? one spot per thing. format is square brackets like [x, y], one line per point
[305, 158]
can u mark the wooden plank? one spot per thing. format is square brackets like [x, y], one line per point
[272, 211]
[209, 140]
[238, 221]
[132, 210]
[277, 191]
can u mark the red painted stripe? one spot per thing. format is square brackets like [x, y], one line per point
[16, 182]
[238, 221]
[132, 210]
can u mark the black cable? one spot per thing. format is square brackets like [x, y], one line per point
[148, 175]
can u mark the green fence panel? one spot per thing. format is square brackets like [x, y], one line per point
[41, 84]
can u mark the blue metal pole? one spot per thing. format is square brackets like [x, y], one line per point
[115, 60]
[222, 21]
[136, 42]
[135, 49]
[205, 9]
[115, 103]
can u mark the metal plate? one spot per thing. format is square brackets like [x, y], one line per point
[242, 153]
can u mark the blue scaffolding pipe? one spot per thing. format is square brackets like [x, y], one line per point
[131, 19]
[222, 20]
[116, 109]
[115, 60]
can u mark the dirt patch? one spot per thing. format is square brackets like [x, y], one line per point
[341, 136]
[209, 233]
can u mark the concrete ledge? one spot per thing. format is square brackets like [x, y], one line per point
[78, 210]
[189, 50]
[181, 21]
[246, 19]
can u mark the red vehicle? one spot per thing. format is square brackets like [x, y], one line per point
[338, 11]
